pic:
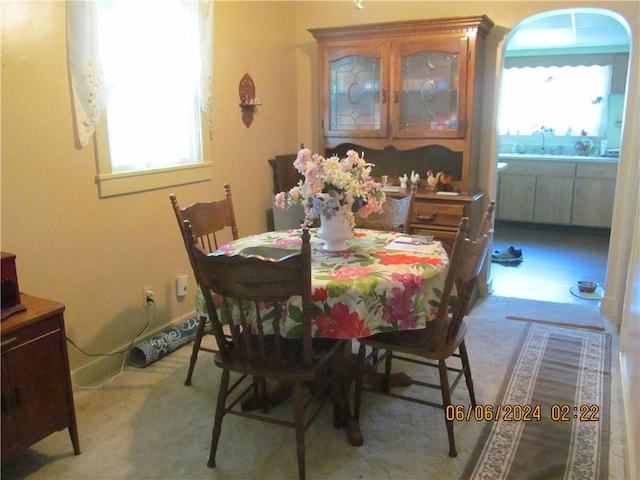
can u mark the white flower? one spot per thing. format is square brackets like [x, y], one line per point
[331, 184]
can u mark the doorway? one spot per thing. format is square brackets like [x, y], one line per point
[558, 253]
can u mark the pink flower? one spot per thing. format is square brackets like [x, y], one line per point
[349, 272]
[399, 309]
[333, 183]
[288, 242]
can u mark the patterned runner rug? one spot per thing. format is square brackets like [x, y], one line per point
[561, 375]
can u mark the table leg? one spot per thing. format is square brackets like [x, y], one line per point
[343, 417]
[264, 399]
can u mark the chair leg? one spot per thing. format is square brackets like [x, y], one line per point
[357, 400]
[298, 396]
[386, 382]
[196, 348]
[220, 411]
[467, 372]
[446, 400]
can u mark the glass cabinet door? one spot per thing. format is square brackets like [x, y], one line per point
[357, 92]
[430, 89]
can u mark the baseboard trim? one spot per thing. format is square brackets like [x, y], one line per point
[607, 308]
[99, 370]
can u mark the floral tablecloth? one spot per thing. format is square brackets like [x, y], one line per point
[383, 282]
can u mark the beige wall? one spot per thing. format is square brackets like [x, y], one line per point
[95, 255]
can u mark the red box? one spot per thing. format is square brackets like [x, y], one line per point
[10, 295]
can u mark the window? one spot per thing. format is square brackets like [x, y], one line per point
[147, 92]
[562, 99]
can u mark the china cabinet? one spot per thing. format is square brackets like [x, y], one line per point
[407, 94]
[405, 85]
[37, 397]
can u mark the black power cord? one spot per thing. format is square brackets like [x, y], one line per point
[125, 351]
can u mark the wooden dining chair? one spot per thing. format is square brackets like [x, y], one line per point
[243, 282]
[210, 221]
[396, 215]
[443, 337]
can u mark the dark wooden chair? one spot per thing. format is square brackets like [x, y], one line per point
[241, 281]
[443, 337]
[208, 222]
[396, 215]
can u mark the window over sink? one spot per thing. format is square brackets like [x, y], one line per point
[565, 100]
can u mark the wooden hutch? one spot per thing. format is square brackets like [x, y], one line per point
[407, 94]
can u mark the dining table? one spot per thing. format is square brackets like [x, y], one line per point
[384, 281]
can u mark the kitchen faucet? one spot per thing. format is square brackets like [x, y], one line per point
[541, 133]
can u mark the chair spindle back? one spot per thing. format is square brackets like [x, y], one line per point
[396, 215]
[207, 219]
[235, 285]
[466, 261]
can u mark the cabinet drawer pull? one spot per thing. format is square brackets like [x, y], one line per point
[427, 218]
[384, 96]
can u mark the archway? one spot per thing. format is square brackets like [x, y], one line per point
[532, 127]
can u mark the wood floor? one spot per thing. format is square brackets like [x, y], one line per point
[555, 258]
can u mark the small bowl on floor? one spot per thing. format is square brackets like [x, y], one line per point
[586, 286]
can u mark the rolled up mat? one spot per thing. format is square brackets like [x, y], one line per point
[165, 342]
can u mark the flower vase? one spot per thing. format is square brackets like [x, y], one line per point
[335, 231]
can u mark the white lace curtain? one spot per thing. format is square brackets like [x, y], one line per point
[89, 89]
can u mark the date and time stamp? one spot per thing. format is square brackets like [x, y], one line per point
[523, 413]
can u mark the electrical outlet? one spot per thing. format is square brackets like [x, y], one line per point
[181, 285]
[148, 296]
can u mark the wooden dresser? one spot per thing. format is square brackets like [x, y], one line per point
[37, 397]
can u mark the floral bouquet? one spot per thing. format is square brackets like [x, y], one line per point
[332, 185]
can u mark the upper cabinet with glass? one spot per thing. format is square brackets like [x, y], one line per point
[429, 89]
[399, 83]
[356, 91]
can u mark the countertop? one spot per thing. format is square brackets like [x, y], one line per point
[557, 158]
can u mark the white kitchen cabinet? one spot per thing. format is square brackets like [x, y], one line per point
[516, 197]
[536, 191]
[554, 197]
[576, 193]
[593, 195]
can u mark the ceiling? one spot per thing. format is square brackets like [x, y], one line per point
[570, 28]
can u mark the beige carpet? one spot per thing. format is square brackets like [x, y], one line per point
[147, 425]
[565, 314]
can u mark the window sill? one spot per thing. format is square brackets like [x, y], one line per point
[113, 184]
